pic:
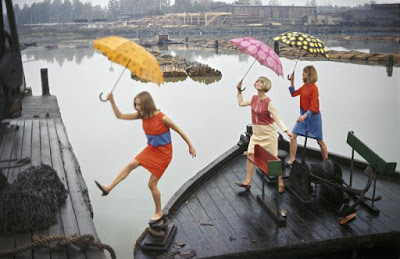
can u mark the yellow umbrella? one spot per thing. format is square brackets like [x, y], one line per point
[132, 56]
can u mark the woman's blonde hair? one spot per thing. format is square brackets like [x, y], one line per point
[312, 75]
[147, 106]
[266, 82]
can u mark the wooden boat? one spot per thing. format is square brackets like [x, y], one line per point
[216, 218]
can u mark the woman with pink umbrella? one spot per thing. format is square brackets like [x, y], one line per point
[263, 113]
[264, 117]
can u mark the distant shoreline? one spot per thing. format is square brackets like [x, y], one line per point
[61, 32]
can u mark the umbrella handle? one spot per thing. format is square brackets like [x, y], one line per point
[288, 76]
[241, 90]
[101, 99]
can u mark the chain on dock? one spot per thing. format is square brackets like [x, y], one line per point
[56, 241]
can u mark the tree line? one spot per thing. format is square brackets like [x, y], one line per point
[64, 11]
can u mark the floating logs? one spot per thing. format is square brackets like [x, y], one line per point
[289, 52]
[177, 69]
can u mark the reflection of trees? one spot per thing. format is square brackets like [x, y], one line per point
[59, 55]
[206, 79]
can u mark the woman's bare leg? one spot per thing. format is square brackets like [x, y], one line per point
[293, 149]
[249, 172]
[324, 149]
[122, 175]
[156, 196]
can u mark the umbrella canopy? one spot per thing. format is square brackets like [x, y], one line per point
[303, 41]
[261, 52]
[132, 56]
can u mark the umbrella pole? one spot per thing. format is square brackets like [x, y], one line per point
[105, 100]
[118, 79]
[288, 77]
[248, 72]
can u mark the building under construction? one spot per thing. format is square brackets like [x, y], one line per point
[267, 14]
[233, 15]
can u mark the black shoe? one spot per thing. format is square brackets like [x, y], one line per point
[156, 222]
[287, 165]
[105, 193]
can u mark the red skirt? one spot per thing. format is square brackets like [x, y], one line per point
[155, 159]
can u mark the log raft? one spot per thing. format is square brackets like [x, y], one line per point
[176, 69]
[293, 53]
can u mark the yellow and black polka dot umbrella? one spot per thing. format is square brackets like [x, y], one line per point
[132, 56]
[303, 41]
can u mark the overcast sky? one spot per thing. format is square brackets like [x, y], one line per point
[283, 2]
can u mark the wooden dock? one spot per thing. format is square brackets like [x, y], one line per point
[216, 218]
[41, 135]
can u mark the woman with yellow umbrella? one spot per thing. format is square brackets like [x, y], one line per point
[157, 155]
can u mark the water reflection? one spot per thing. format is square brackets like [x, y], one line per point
[58, 55]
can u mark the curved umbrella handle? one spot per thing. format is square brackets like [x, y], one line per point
[101, 99]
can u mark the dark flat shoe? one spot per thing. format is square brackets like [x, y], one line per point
[287, 165]
[247, 186]
[156, 222]
[104, 192]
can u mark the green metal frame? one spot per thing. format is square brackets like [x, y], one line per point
[377, 163]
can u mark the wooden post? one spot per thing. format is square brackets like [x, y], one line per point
[45, 81]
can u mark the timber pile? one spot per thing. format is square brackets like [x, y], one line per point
[176, 69]
[289, 52]
[177, 66]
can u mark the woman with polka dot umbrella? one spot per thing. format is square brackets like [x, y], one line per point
[302, 41]
[132, 56]
[261, 52]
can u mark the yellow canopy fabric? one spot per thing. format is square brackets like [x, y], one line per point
[132, 56]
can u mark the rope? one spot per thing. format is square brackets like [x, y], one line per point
[19, 162]
[56, 241]
[31, 202]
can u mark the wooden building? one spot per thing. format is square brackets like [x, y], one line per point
[379, 14]
[322, 19]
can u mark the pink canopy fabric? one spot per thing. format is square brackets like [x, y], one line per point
[261, 52]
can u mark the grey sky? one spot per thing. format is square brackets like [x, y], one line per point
[283, 2]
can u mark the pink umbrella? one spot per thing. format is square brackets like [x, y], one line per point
[261, 52]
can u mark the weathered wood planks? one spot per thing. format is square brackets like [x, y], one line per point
[44, 140]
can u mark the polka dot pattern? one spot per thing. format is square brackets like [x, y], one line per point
[303, 41]
[131, 55]
[260, 51]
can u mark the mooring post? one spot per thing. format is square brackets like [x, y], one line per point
[45, 81]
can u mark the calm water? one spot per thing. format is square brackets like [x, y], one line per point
[352, 97]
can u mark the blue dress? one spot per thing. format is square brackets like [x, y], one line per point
[313, 123]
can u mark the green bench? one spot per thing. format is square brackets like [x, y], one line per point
[375, 161]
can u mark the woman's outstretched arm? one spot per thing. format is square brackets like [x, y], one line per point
[240, 97]
[118, 114]
[169, 123]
